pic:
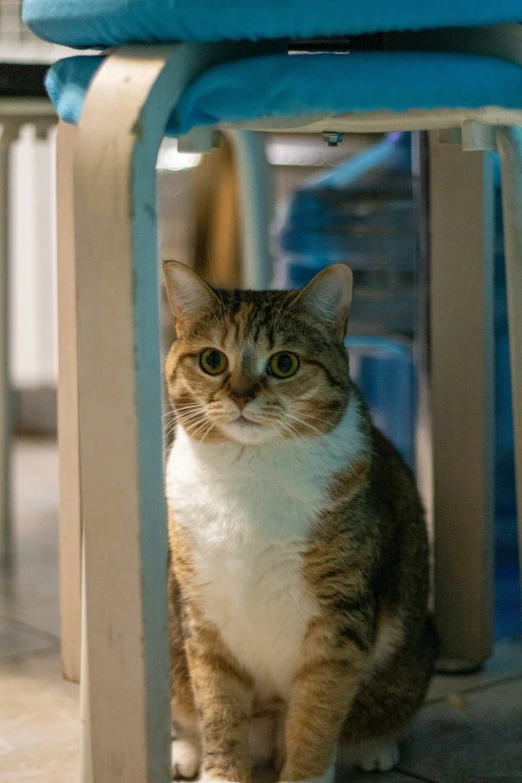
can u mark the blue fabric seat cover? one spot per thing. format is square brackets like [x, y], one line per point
[93, 23]
[283, 86]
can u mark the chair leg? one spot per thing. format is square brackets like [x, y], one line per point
[6, 542]
[119, 391]
[68, 423]
[86, 775]
[509, 143]
[255, 188]
[462, 399]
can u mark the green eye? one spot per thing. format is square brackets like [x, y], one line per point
[213, 362]
[283, 365]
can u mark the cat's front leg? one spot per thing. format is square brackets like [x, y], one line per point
[322, 693]
[224, 696]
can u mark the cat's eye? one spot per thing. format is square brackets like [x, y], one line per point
[213, 362]
[283, 365]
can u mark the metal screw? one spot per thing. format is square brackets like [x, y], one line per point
[332, 138]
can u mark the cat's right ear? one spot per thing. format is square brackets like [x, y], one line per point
[188, 294]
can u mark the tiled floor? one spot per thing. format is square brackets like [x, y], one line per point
[470, 730]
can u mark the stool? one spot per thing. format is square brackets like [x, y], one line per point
[112, 451]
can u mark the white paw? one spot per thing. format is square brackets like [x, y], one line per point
[185, 759]
[379, 757]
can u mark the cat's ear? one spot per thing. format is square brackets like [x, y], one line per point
[188, 294]
[328, 297]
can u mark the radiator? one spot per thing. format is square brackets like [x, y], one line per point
[32, 233]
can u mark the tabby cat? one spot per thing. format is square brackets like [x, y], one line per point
[299, 557]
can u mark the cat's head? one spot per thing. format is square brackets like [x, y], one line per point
[250, 366]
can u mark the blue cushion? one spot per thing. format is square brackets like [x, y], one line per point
[93, 23]
[283, 85]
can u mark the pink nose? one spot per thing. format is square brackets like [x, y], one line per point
[241, 398]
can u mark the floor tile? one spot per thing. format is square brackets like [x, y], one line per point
[505, 663]
[29, 591]
[17, 638]
[38, 722]
[475, 739]
[353, 776]
[345, 775]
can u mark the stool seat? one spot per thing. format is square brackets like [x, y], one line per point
[293, 85]
[102, 23]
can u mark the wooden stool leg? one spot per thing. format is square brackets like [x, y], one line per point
[68, 422]
[509, 142]
[126, 720]
[462, 399]
[86, 775]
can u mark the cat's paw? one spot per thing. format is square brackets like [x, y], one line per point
[376, 757]
[185, 759]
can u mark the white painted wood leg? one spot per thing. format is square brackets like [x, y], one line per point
[256, 204]
[509, 143]
[462, 399]
[68, 421]
[120, 427]
[6, 552]
[119, 394]
[85, 712]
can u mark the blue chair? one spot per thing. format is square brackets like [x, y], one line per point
[185, 69]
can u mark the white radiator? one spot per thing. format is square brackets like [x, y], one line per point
[32, 224]
[33, 261]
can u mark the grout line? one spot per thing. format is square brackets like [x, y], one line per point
[26, 627]
[475, 688]
[43, 652]
[414, 776]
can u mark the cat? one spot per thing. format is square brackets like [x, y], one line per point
[298, 574]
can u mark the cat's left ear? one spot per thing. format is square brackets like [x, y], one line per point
[328, 297]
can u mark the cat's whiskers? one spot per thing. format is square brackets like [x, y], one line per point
[310, 441]
[189, 411]
[369, 451]
[189, 415]
[310, 452]
[207, 432]
[318, 431]
[189, 424]
[184, 410]
[188, 406]
[192, 419]
[316, 418]
[315, 429]
[200, 426]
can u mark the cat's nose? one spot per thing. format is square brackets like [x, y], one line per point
[241, 397]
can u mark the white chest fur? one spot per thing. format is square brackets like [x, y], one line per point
[247, 512]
